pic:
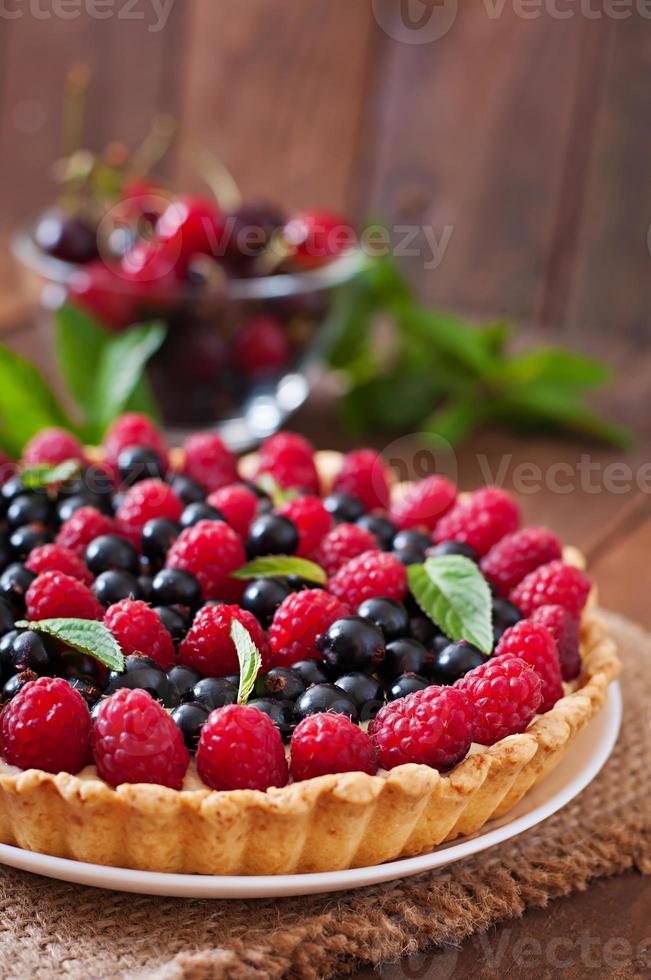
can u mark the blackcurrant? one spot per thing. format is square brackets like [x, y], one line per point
[136, 463]
[214, 692]
[311, 672]
[262, 596]
[111, 552]
[406, 656]
[412, 540]
[31, 652]
[280, 683]
[173, 621]
[24, 539]
[29, 508]
[352, 644]
[144, 587]
[158, 536]
[272, 534]
[6, 618]
[142, 672]
[190, 719]
[87, 687]
[280, 712]
[174, 587]
[113, 586]
[183, 679]
[366, 692]
[199, 511]
[383, 529]
[187, 490]
[453, 548]
[505, 615]
[16, 684]
[406, 684]
[388, 615]
[325, 697]
[454, 661]
[14, 583]
[422, 629]
[344, 507]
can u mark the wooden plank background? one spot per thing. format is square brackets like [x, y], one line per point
[528, 138]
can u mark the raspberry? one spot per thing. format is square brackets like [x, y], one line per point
[136, 741]
[364, 475]
[311, 519]
[480, 520]
[144, 501]
[240, 748]
[238, 504]
[517, 554]
[344, 542]
[209, 462]
[424, 503]
[289, 459]
[565, 631]
[52, 446]
[84, 526]
[299, 621]
[56, 558]
[371, 575]
[506, 693]
[537, 647]
[133, 429]
[46, 726]
[328, 743]
[554, 584]
[208, 646]
[53, 595]
[210, 550]
[432, 727]
[138, 629]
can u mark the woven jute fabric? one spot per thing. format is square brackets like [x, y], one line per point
[50, 929]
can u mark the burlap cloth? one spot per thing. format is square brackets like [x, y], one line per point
[49, 929]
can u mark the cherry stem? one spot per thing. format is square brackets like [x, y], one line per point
[220, 180]
[154, 146]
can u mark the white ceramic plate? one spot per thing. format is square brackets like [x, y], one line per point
[579, 767]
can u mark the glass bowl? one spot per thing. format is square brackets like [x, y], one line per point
[239, 356]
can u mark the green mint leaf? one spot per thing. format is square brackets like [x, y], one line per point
[27, 404]
[44, 475]
[85, 635]
[558, 367]
[249, 658]
[279, 496]
[121, 368]
[281, 565]
[546, 406]
[458, 417]
[454, 594]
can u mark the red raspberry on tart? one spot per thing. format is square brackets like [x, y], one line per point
[299, 621]
[480, 520]
[208, 646]
[210, 550]
[365, 475]
[370, 575]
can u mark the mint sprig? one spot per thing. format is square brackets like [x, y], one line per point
[44, 475]
[455, 595]
[278, 494]
[85, 635]
[446, 377]
[249, 658]
[272, 565]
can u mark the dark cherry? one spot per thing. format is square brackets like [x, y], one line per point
[454, 661]
[67, 237]
[325, 697]
[388, 615]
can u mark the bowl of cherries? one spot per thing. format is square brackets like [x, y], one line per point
[245, 293]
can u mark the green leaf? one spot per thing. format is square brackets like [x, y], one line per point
[249, 658]
[120, 369]
[85, 635]
[81, 347]
[278, 494]
[44, 475]
[454, 594]
[546, 406]
[457, 418]
[27, 404]
[558, 367]
[271, 565]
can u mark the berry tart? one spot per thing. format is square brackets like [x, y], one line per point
[285, 663]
